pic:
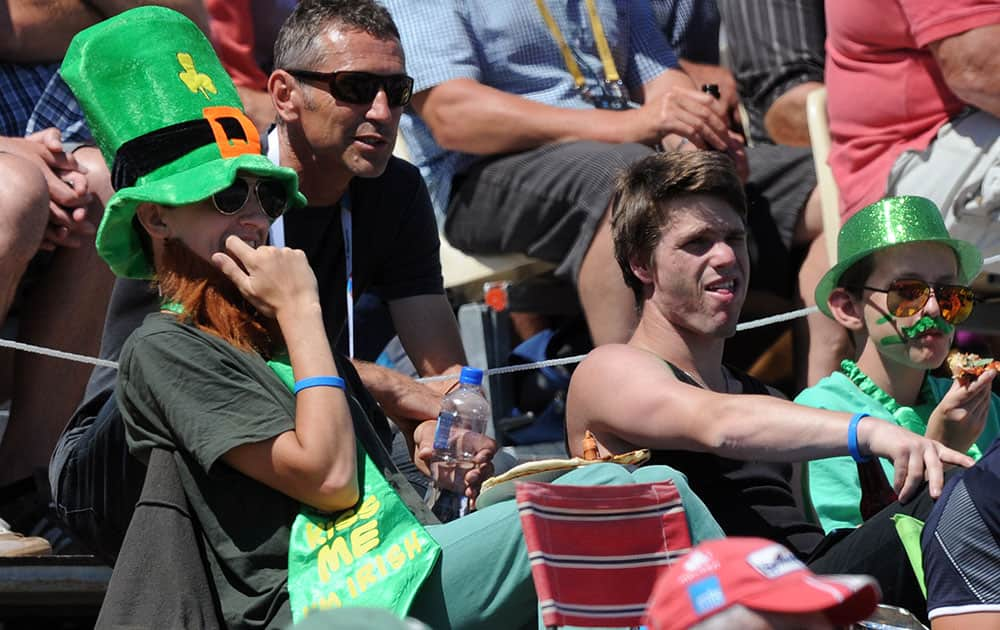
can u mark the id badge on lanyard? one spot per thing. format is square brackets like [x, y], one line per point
[277, 239]
[613, 93]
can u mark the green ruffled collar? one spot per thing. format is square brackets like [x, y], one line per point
[868, 386]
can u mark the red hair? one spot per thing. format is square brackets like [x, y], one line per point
[212, 303]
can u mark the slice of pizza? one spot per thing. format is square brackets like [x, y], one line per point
[966, 367]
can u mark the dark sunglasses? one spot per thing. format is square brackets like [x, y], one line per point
[360, 88]
[270, 194]
[906, 297]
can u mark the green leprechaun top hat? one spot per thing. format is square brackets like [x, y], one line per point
[888, 222]
[167, 119]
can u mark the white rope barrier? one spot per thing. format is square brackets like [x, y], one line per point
[507, 369]
[58, 354]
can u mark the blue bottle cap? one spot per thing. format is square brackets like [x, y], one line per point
[471, 376]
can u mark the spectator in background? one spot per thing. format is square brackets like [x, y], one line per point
[63, 290]
[776, 52]
[498, 122]
[914, 100]
[34, 35]
[243, 34]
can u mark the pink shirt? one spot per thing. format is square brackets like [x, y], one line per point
[885, 92]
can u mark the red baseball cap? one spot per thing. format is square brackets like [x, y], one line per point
[759, 574]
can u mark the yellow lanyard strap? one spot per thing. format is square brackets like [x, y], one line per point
[610, 71]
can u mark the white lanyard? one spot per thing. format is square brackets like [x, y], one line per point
[277, 237]
[345, 226]
[277, 230]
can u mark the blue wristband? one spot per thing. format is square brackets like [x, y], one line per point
[852, 438]
[318, 381]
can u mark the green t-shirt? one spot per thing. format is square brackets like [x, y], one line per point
[834, 488]
[192, 393]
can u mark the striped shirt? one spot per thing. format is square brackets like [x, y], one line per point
[774, 45]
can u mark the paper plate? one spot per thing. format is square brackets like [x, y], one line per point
[555, 468]
[505, 491]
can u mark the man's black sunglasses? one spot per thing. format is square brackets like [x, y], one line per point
[360, 88]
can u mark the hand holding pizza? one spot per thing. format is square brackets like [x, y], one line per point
[959, 418]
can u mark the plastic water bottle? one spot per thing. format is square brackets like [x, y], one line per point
[460, 433]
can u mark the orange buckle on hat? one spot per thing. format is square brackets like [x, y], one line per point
[229, 146]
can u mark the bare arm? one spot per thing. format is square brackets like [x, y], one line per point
[428, 330]
[617, 385]
[403, 399]
[465, 115]
[36, 31]
[970, 66]
[785, 120]
[193, 9]
[316, 462]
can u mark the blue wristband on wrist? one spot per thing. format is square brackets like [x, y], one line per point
[318, 381]
[852, 438]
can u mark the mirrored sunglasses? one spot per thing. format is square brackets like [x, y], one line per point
[905, 298]
[360, 88]
[270, 194]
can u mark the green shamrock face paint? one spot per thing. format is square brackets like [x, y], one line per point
[924, 324]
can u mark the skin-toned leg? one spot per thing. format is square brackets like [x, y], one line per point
[65, 310]
[607, 301]
[24, 213]
[24, 201]
[972, 621]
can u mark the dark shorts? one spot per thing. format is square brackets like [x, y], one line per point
[36, 269]
[781, 180]
[95, 481]
[548, 202]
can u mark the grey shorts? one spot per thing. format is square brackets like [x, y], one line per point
[960, 172]
[546, 203]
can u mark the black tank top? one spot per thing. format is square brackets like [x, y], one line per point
[747, 498]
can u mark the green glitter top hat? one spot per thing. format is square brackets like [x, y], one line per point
[889, 222]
